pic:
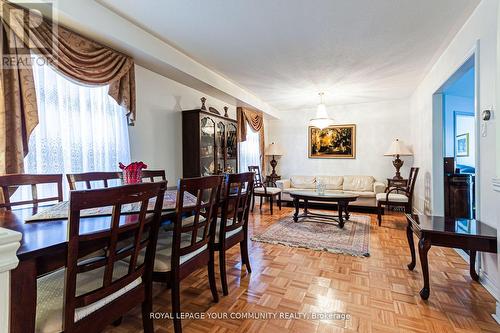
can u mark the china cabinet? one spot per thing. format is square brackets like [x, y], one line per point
[209, 144]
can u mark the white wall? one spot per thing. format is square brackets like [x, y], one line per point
[377, 125]
[156, 138]
[480, 26]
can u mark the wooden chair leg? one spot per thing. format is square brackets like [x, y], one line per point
[223, 275]
[211, 277]
[147, 309]
[260, 204]
[279, 201]
[379, 213]
[408, 209]
[176, 302]
[271, 203]
[244, 254]
[253, 202]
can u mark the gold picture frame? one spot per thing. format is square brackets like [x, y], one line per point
[337, 141]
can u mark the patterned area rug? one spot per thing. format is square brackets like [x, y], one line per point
[353, 239]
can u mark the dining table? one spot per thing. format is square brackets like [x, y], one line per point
[43, 249]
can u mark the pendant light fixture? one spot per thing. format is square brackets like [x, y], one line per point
[321, 120]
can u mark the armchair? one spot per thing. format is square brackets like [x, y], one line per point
[397, 196]
[263, 191]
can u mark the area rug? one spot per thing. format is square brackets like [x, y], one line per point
[353, 239]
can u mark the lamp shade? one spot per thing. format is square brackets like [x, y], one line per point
[274, 149]
[398, 148]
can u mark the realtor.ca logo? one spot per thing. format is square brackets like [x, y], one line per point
[28, 36]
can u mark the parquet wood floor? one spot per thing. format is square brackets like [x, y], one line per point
[379, 292]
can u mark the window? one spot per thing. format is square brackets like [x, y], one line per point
[80, 128]
[250, 150]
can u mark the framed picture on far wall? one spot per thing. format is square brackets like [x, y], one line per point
[337, 141]
[462, 145]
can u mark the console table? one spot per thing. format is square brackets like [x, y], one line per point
[470, 235]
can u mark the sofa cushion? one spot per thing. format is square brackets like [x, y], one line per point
[358, 183]
[331, 182]
[303, 181]
[362, 194]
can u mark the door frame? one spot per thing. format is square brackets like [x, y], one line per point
[437, 200]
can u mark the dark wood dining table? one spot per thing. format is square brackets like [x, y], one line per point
[43, 249]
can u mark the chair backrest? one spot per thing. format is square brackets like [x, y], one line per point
[257, 175]
[138, 231]
[412, 179]
[190, 237]
[88, 177]
[238, 192]
[152, 174]
[10, 182]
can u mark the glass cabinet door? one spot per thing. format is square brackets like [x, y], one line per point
[207, 147]
[231, 149]
[221, 146]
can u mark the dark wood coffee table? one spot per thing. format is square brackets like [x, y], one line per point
[340, 198]
[470, 235]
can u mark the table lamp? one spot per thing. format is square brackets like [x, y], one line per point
[398, 148]
[273, 150]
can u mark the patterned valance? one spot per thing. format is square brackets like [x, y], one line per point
[76, 57]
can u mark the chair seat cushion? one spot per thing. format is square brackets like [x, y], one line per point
[393, 197]
[164, 251]
[229, 233]
[270, 190]
[50, 291]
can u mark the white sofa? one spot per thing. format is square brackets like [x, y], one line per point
[364, 186]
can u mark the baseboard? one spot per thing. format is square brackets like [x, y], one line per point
[496, 315]
[488, 284]
[465, 256]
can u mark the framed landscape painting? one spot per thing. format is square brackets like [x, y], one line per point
[337, 141]
[462, 145]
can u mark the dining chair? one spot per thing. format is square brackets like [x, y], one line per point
[9, 183]
[185, 249]
[261, 190]
[152, 174]
[398, 196]
[93, 292]
[232, 226]
[89, 177]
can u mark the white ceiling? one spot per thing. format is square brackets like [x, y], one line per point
[286, 51]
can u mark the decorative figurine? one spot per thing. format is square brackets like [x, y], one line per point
[225, 112]
[203, 100]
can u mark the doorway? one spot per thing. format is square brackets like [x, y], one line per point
[455, 144]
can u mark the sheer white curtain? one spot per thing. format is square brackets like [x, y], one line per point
[249, 150]
[81, 128]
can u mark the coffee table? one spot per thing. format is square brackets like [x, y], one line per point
[340, 198]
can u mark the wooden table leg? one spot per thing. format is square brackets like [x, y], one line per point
[23, 297]
[409, 235]
[296, 204]
[346, 211]
[423, 247]
[341, 217]
[306, 208]
[472, 259]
